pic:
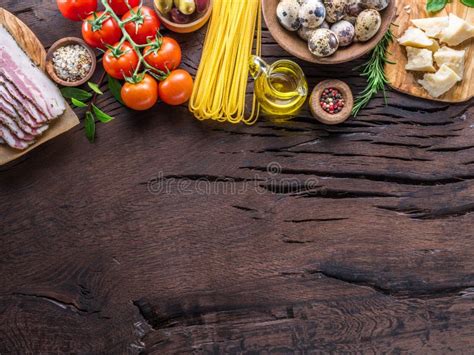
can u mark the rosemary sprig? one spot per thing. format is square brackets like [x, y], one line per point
[373, 69]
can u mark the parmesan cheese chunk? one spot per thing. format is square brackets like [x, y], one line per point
[414, 37]
[433, 26]
[452, 58]
[440, 82]
[420, 59]
[457, 31]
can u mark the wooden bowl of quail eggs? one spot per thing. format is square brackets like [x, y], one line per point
[328, 31]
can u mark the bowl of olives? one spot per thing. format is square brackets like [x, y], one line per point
[183, 16]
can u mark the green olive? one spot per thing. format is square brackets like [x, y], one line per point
[187, 7]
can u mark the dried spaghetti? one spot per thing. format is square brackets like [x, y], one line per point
[221, 81]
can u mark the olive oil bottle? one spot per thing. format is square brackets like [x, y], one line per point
[281, 88]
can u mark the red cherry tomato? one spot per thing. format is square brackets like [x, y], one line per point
[167, 57]
[120, 62]
[120, 6]
[98, 31]
[76, 10]
[140, 96]
[177, 88]
[145, 28]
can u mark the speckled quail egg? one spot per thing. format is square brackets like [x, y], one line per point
[345, 32]
[335, 10]
[305, 33]
[324, 25]
[312, 13]
[367, 24]
[352, 10]
[375, 4]
[287, 14]
[323, 42]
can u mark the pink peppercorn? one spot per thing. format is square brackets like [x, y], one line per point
[331, 100]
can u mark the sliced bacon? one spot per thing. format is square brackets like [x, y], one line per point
[10, 99]
[25, 127]
[17, 67]
[39, 115]
[14, 127]
[11, 140]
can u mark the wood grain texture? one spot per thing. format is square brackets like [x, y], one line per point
[169, 235]
[28, 41]
[405, 81]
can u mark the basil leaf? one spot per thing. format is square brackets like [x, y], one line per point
[95, 88]
[469, 3]
[101, 115]
[78, 103]
[115, 88]
[89, 125]
[435, 5]
[74, 93]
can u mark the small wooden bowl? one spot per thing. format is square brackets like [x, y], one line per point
[323, 116]
[185, 27]
[293, 44]
[64, 42]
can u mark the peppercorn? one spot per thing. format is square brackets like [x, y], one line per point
[331, 100]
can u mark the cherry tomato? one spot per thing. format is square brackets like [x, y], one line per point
[120, 62]
[76, 10]
[168, 57]
[177, 88]
[140, 96]
[147, 27]
[120, 6]
[99, 33]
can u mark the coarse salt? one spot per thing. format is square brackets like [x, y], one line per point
[72, 62]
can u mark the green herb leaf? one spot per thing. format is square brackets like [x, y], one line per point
[89, 125]
[115, 88]
[469, 3]
[435, 5]
[95, 88]
[374, 71]
[101, 115]
[74, 93]
[78, 103]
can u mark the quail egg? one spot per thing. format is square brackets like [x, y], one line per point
[312, 13]
[335, 10]
[305, 33]
[352, 10]
[323, 42]
[345, 32]
[374, 4]
[287, 14]
[324, 25]
[367, 24]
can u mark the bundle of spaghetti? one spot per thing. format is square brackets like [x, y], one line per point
[221, 81]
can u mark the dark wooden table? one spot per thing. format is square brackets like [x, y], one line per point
[172, 235]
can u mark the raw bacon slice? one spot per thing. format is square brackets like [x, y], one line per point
[33, 121]
[11, 140]
[5, 108]
[14, 128]
[19, 69]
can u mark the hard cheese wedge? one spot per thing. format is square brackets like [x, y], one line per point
[452, 58]
[440, 82]
[433, 26]
[457, 31]
[414, 37]
[419, 59]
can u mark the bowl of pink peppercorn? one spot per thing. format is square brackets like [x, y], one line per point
[331, 102]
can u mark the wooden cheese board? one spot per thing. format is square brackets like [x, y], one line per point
[404, 81]
[32, 46]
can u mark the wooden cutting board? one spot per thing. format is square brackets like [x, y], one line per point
[35, 50]
[404, 81]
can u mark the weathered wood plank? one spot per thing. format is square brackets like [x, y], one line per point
[173, 235]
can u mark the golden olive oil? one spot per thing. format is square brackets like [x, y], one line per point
[281, 88]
